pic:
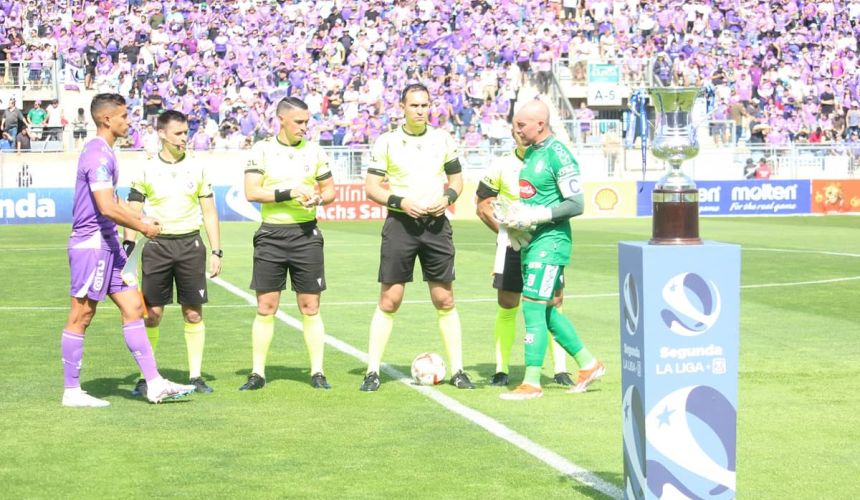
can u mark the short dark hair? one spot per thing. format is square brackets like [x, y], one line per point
[413, 87]
[171, 115]
[102, 101]
[288, 103]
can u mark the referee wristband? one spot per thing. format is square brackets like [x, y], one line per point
[282, 195]
[452, 195]
[394, 201]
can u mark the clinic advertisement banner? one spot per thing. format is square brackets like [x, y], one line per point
[351, 204]
[752, 197]
[679, 330]
[835, 196]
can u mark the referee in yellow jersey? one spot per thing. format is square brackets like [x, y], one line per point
[417, 160]
[174, 189]
[289, 176]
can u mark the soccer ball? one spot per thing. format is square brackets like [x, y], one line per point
[428, 368]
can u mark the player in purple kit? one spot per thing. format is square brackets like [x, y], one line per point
[96, 259]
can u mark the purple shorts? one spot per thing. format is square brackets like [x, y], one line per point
[96, 273]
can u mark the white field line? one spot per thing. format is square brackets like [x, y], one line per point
[459, 301]
[494, 427]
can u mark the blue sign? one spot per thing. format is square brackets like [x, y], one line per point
[679, 308]
[35, 206]
[54, 205]
[746, 197]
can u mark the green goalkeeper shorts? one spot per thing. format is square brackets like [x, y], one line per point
[540, 280]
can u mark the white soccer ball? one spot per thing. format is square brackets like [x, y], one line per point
[428, 368]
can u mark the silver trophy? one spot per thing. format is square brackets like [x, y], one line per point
[675, 199]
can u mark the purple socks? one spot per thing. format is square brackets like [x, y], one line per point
[138, 344]
[72, 347]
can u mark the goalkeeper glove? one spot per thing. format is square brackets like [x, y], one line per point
[526, 217]
[519, 239]
[128, 247]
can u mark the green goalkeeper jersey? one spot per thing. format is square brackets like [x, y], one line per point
[548, 170]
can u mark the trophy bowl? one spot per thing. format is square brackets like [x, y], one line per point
[675, 198]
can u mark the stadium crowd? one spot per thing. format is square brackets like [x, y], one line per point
[783, 71]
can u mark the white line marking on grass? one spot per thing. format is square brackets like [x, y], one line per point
[789, 250]
[494, 427]
[427, 301]
[801, 283]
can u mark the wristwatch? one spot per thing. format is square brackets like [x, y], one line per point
[218, 253]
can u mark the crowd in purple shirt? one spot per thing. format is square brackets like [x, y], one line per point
[224, 63]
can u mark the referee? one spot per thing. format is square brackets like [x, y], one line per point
[289, 176]
[416, 159]
[174, 189]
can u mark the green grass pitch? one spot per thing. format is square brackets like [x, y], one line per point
[798, 406]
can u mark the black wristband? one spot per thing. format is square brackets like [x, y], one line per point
[452, 195]
[128, 247]
[282, 195]
[218, 253]
[394, 201]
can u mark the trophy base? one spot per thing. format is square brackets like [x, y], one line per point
[675, 217]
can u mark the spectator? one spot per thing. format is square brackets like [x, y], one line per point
[764, 169]
[36, 118]
[151, 141]
[746, 50]
[201, 141]
[852, 119]
[738, 112]
[749, 169]
[584, 116]
[55, 122]
[13, 121]
[79, 128]
[472, 138]
[22, 141]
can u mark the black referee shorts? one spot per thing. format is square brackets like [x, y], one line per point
[511, 277]
[170, 258]
[296, 249]
[404, 238]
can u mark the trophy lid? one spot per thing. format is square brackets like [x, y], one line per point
[673, 99]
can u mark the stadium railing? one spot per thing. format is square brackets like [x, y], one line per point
[607, 160]
[40, 82]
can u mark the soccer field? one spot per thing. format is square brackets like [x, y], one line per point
[800, 345]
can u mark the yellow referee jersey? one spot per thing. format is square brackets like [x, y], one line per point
[503, 177]
[173, 192]
[414, 164]
[285, 167]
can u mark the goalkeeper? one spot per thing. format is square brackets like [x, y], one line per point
[550, 194]
[500, 183]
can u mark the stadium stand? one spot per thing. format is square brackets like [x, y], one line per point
[791, 79]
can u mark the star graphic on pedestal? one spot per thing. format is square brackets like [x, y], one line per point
[663, 418]
[627, 412]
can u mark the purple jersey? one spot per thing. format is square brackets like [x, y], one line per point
[96, 171]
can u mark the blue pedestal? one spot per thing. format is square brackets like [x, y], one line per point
[680, 309]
